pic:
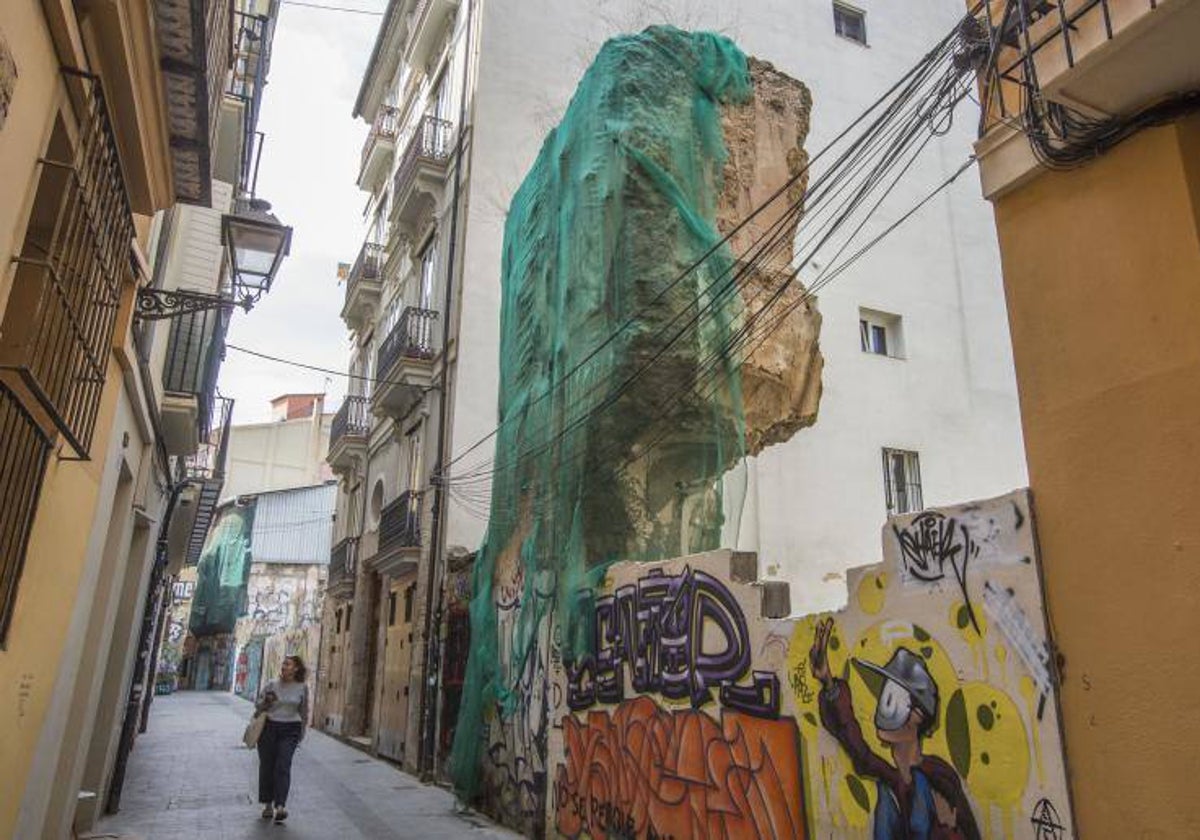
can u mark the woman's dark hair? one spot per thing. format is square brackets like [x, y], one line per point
[301, 673]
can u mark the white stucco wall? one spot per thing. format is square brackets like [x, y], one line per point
[817, 501]
[277, 456]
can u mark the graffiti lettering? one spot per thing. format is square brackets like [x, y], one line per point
[644, 771]
[679, 636]
[930, 543]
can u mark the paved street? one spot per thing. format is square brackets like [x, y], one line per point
[190, 778]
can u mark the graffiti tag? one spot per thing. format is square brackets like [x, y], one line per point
[677, 635]
[934, 547]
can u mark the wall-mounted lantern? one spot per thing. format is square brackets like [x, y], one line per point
[255, 244]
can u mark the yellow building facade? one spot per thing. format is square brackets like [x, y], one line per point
[110, 119]
[1101, 267]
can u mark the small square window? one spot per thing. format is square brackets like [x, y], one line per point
[850, 23]
[880, 333]
[902, 481]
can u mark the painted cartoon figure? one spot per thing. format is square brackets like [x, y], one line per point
[921, 797]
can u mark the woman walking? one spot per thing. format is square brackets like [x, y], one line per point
[285, 702]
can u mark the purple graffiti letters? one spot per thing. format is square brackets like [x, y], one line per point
[680, 636]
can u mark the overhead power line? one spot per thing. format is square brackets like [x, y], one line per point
[374, 380]
[325, 8]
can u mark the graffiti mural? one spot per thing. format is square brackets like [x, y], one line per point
[671, 727]
[928, 706]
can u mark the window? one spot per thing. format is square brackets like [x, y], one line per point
[338, 622]
[428, 274]
[391, 609]
[408, 602]
[850, 23]
[413, 447]
[902, 481]
[880, 333]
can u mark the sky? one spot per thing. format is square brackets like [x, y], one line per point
[309, 166]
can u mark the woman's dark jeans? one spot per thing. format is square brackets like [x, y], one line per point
[276, 747]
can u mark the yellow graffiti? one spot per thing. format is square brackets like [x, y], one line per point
[872, 593]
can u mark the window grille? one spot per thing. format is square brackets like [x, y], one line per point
[902, 481]
[24, 451]
[72, 267]
[850, 23]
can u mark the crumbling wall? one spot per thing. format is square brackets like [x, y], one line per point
[699, 716]
[764, 136]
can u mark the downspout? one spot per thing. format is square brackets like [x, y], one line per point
[432, 627]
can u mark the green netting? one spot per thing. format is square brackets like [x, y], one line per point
[620, 202]
[222, 574]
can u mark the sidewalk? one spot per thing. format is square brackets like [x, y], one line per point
[190, 778]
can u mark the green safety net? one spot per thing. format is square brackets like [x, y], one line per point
[222, 573]
[591, 467]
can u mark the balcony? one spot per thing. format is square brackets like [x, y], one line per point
[421, 174]
[206, 471]
[399, 535]
[342, 564]
[1099, 58]
[404, 363]
[363, 286]
[428, 24]
[194, 47]
[194, 352]
[379, 147]
[348, 435]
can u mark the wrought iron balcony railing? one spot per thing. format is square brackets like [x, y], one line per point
[342, 564]
[368, 266]
[432, 142]
[353, 419]
[400, 522]
[194, 353]
[384, 129]
[411, 338]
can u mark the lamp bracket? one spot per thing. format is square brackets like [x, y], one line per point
[160, 304]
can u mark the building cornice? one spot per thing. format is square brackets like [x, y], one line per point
[385, 58]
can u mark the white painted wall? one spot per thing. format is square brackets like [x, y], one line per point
[818, 500]
[277, 456]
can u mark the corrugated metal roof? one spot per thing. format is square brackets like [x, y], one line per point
[294, 526]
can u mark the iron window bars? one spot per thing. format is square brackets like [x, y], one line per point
[60, 316]
[75, 260]
[902, 481]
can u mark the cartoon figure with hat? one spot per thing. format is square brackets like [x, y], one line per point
[921, 797]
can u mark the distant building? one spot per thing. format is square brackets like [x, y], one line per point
[261, 575]
[288, 451]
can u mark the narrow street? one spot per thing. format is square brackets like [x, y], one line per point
[190, 778]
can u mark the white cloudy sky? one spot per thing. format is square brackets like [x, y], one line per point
[309, 166]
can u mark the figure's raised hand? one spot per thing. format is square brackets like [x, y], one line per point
[818, 656]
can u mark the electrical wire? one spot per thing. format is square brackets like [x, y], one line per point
[837, 183]
[374, 380]
[325, 8]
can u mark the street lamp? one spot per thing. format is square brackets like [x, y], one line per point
[254, 243]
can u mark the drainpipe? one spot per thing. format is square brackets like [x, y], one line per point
[432, 628]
